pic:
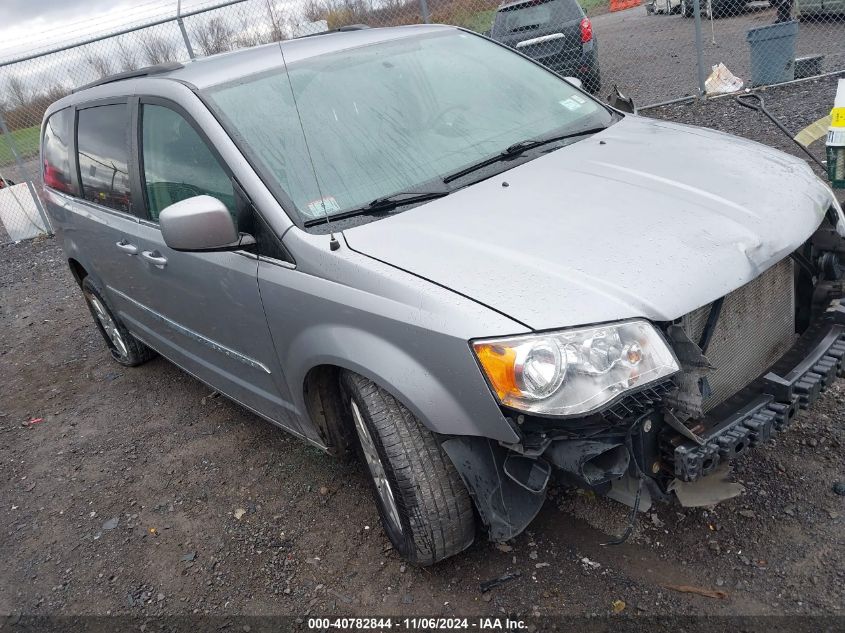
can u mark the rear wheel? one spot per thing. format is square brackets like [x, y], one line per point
[424, 506]
[124, 348]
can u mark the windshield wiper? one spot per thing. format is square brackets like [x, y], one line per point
[402, 198]
[517, 149]
[384, 203]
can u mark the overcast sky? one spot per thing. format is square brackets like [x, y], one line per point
[32, 25]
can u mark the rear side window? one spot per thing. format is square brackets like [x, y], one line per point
[56, 151]
[102, 142]
[178, 164]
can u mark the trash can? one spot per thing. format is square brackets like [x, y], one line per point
[773, 53]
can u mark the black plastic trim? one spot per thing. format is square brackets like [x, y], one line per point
[780, 393]
[146, 71]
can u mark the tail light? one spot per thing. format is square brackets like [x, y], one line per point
[586, 30]
[54, 178]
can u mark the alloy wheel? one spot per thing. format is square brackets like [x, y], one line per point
[109, 326]
[377, 470]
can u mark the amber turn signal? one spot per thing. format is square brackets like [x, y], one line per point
[498, 363]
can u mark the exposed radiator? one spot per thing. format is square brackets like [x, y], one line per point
[756, 326]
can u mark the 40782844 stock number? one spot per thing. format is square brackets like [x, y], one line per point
[376, 624]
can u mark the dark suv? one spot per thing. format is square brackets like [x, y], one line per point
[554, 32]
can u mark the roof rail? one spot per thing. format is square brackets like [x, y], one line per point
[146, 71]
[340, 29]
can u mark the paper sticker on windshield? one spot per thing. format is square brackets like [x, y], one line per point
[579, 99]
[570, 104]
[316, 206]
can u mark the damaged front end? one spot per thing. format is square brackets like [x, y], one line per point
[749, 362]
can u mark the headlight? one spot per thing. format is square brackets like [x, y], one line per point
[575, 371]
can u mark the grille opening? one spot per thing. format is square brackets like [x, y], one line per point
[756, 327]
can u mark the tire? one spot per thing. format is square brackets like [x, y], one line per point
[425, 508]
[124, 348]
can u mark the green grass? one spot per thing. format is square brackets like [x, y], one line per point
[479, 22]
[593, 7]
[26, 142]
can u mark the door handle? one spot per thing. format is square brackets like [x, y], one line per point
[126, 247]
[155, 258]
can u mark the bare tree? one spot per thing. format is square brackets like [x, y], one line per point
[127, 56]
[248, 35]
[158, 50]
[278, 31]
[100, 64]
[19, 94]
[315, 10]
[54, 93]
[392, 5]
[338, 12]
[213, 36]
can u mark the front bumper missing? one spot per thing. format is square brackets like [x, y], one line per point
[630, 451]
[771, 404]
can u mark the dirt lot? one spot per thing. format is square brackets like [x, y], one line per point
[653, 58]
[126, 498]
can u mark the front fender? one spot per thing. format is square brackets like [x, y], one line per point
[444, 398]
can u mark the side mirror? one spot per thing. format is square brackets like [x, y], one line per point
[201, 223]
[575, 82]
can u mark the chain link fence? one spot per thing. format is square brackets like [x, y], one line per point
[656, 51]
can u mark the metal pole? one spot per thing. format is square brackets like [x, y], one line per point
[182, 28]
[424, 12]
[696, 5]
[25, 174]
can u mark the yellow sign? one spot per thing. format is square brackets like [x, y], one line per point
[837, 117]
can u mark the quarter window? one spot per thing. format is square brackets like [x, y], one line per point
[178, 164]
[103, 147]
[56, 151]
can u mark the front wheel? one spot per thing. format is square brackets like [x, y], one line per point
[424, 506]
[124, 348]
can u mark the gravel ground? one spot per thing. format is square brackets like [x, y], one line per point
[795, 105]
[653, 58]
[142, 493]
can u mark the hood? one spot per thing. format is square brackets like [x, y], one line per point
[645, 219]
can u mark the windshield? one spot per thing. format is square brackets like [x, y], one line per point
[393, 116]
[533, 14]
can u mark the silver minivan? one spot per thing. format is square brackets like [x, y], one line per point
[421, 245]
